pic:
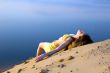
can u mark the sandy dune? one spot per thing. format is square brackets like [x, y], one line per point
[91, 58]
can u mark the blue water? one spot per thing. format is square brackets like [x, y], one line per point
[24, 25]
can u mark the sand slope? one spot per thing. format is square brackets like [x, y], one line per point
[91, 58]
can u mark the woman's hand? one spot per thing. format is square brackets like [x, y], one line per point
[41, 57]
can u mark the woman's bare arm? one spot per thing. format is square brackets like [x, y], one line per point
[63, 45]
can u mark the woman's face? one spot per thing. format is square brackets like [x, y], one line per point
[79, 33]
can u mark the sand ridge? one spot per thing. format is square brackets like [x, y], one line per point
[91, 58]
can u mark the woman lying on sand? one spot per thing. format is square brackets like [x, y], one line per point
[65, 42]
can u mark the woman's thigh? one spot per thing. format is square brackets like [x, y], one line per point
[44, 44]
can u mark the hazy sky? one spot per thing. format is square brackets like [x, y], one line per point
[17, 13]
[36, 8]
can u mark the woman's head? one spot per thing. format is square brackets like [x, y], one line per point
[79, 33]
[85, 39]
[82, 39]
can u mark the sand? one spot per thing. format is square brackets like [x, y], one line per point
[91, 58]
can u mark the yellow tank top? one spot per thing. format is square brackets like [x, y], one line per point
[65, 37]
[52, 46]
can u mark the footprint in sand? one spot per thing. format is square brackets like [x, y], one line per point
[8, 72]
[25, 62]
[98, 46]
[48, 65]
[36, 68]
[109, 68]
[62, 65]
[71, 57]
[60, 60]
[71, 71]
[19, 70]
[77, 52]
[44, 71]
[33, 66]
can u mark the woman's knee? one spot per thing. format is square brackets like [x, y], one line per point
[41, 44]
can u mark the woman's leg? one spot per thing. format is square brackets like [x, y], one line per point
[40, 49]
